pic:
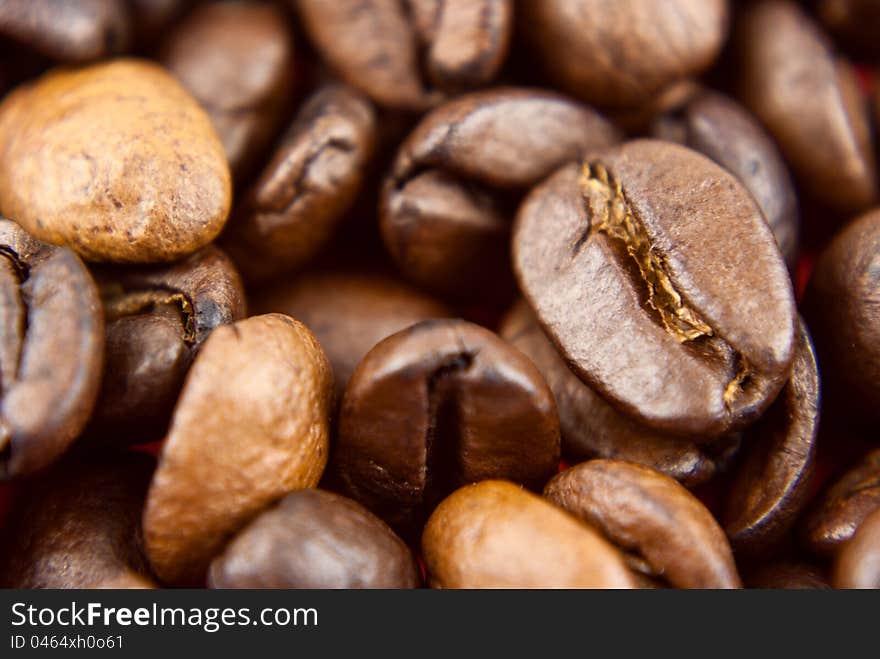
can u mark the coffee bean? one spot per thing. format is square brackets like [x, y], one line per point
[51, 349]
[836, 514]
[858, 562]
[593, 428]
[621, 54]
[853, 24]
[785, 575]
[349, 312]
[251, 425]
[841, 306]
[655, 275]
[771, 486]
[809, 100]
[77, 525]
[496, 535]
[650, 515]
[70, 31]
[150, 18]
[721, 129]
[295, 206]
[315, 539]
[445, 216]
[157, 318]
[237, 60]
[383, 46]
[135, 171]
[436, 406]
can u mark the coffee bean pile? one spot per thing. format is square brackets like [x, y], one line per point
[439, 293]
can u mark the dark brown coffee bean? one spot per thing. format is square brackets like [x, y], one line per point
[150, 17]
[444, 218]
[436, 406]
[136, 172]
[721, 129]
[650, 515]
[311, 181]
[497, 535]
[858, 563]
[592, 428]
[383, 46]
[237, 60]
[771, 486]
[349, 312]
[157, 318]
[653, 271]
[853, 23]
[51, 350]
[842, 507]
[841, 307]
[251, 425]
[809, 100]
[70, 30]
[621, 54]
[786, 575]
[78, 525]
[315, 539]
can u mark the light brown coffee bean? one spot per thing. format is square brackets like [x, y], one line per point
[655, 274]
[496, 535]
[69, 31]
[315, 539]
[77, 525]
[295, 206]
[115, 160]
[593, 428]
[436, 406]
[809, 100]
[772, 484]
[251, 425]
[236, 59]
[842, 507]
[349, 312]
[383, 47]
[858, 562]
[651, 516]
[51, 350]
[157, 319]
[623, 53]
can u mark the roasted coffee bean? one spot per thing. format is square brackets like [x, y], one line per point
[497, 535]
[151, 17]
[858, 563]
[70, 30]
[349, 312]
[383, 46]
[135, 172]
[841, 307]
[809, 100]
[436, 406]
[853, 23]
[51, 349]
[771, 485]
[251, 425]
[842, 507]
[77, 525]
[237, 60]
[444, 219]
[784, 575]
[593, 428]
[721, 129]
[292, 210]
[157, 318]
[654, 273]
[621, 54]
[648, 514]
[315, 539]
